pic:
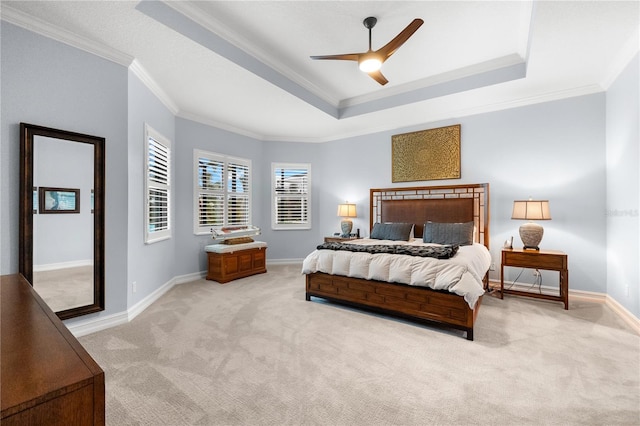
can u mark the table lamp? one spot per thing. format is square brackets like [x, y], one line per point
[530, 232]
[346, 211]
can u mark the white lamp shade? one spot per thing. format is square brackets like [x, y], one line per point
[347, 210]
[531, 210]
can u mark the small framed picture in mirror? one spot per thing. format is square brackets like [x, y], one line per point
[59, 200]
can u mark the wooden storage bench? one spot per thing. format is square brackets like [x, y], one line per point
[228, 262]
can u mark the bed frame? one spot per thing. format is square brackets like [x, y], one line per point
[417, 205]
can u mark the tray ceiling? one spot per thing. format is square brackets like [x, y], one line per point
[244, 66]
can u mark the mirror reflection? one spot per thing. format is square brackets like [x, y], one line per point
[62, 218]
[63, 222]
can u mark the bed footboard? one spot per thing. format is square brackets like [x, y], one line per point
[417, 303]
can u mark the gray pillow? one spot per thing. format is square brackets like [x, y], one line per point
[448, 233]
[391, 231]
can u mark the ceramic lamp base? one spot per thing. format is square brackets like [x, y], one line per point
[531, 235]
[346, 225]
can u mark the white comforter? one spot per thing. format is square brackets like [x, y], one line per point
[462, 274]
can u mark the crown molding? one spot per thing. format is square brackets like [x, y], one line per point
[454, 114]
[532, 100]
[37, 25]
[153, 86]
[220, 125]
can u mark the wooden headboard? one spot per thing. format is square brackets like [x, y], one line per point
[420, 204]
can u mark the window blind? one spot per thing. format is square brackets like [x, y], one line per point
[158, 184]
[291, 186]
[222, 190]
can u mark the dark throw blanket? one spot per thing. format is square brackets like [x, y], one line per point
[438, 252]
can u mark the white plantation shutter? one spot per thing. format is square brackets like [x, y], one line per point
[158, 186]
[237, 193]
[211, 210]
[210, 192]
[221, 191]
[291, 201]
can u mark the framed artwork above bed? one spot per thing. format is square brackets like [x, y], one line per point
[426, 155]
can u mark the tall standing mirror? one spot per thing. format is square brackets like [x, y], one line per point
[62, 218]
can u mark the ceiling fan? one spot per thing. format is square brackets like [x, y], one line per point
[371, 61]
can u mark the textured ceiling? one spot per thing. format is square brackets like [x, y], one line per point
[244, 66]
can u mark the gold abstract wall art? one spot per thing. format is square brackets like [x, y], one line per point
[426, 155]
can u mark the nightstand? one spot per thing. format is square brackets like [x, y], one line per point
[339, 239]
[550, 260]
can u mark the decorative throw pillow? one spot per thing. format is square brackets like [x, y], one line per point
[448, 233]
[391, 231]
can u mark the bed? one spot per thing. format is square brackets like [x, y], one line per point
[335, 273]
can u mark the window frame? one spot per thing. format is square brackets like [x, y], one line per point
[225, 193]
[151, 237]
[274, 196]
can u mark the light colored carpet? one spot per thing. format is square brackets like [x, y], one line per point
[254, 352]
[65, 288]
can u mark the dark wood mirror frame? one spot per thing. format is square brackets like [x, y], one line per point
[27, 135]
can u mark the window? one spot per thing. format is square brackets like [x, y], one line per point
[291, 184]
[157, 187]
[222, 195]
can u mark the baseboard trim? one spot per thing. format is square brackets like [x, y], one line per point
[587, 296]
[623, 313]
[285, 262]
[139, 307]
[190, 277]
[62, 265]
[82, 328]
[89, 326]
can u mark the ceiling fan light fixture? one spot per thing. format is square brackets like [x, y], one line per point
[370, 63]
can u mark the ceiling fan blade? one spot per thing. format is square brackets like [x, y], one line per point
[343, 57]
[390, 48]
[377, 76]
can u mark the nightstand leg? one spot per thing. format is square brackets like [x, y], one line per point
[564, 288]
[501, 281]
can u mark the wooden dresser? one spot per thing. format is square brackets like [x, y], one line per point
[47, 377]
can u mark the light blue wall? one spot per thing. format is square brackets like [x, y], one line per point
[292, 244]
[48, 83]
[150, 266]
[623, 188]
[190, 255]
[549, 151]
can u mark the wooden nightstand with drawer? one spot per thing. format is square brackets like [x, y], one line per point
[551, 260]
